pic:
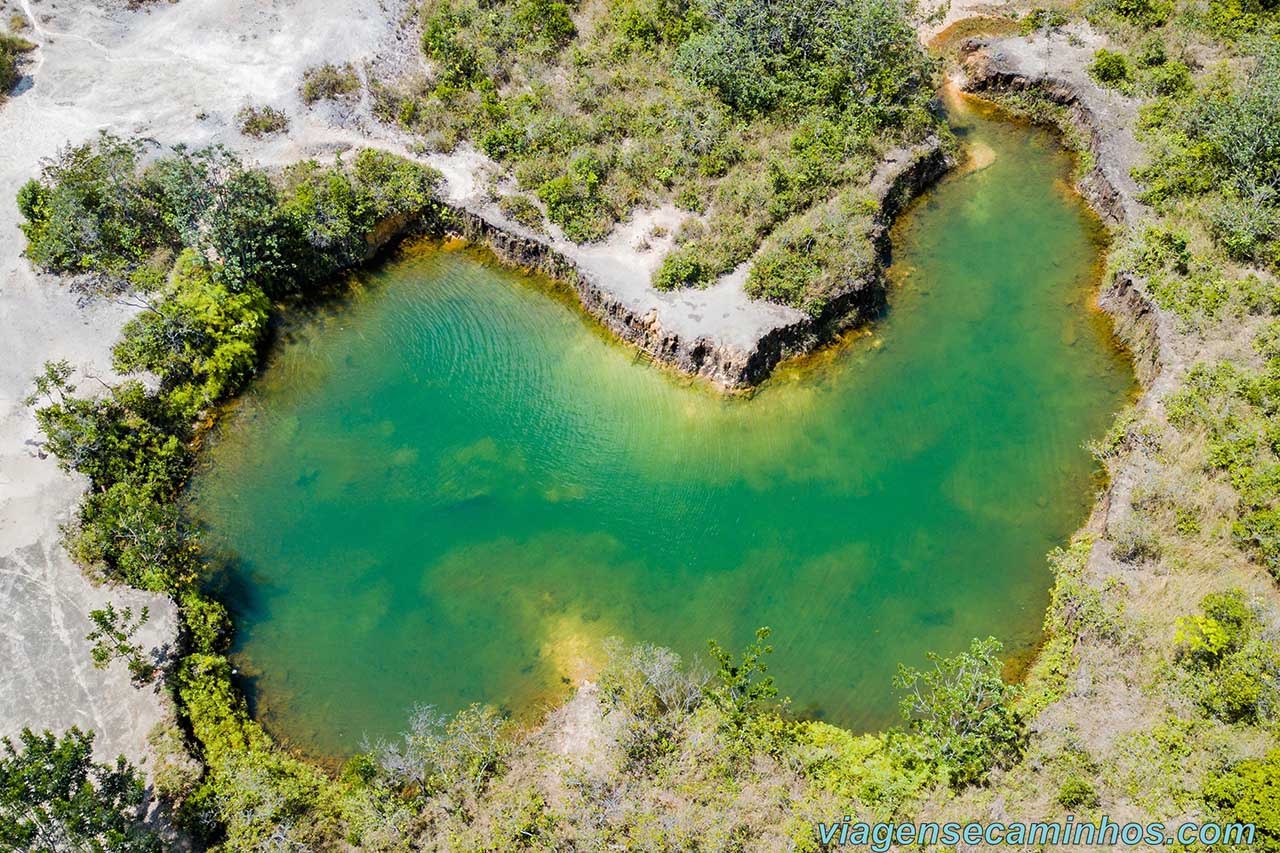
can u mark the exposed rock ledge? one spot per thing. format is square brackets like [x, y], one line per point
[715, 332]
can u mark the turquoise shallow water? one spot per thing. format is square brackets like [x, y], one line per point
[451, 487]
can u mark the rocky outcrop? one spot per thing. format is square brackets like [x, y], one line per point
[680, 329]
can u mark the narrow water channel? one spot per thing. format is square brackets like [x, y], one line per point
[452, 488]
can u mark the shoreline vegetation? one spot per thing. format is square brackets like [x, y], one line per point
[1171, 572]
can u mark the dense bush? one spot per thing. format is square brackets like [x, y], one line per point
[1077, 792]
[1222, 146]
[1110, 68]
[756, 55]
[1249, 793]
[1140, 13]
[201, 338]
[1235, 668]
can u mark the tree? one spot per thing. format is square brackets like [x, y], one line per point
[963, 710]
[112, 639]
[54, 798]
[91, 212]
[744, 686]
[125, 434]
[199, 337]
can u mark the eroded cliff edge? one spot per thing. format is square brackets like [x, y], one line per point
[1053, 68]
[717, 332]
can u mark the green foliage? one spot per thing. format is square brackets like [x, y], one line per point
[756, 55]
[810, 259]
[1110, 69]
[682, 268]
[207, 622]
[1144, 14]
[334, 214]
[112, 639]
[1041, 19]
[201, 338]
[1238, 19]
[254, 793]
[54, 797]
[877, 770]
[11, 49]
[1222, 147]
[522, 209]
[963, 712]
[1237, 411]
[1249, 792]
[742, 688]
[329, 82]
[1234, 667]
[130, 444]
[261, 121]
[574, 202]
[90, 211]
[1077, 792]
[127, 434]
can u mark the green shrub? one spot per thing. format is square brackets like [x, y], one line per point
[873, 769]
[1151, 52]
[207, 622]
[1249, 792]
[573, 202]
[1110, 68]
[1134, 541]
[329, 82]
[198, 336]
[546, 22]
[92, 212]
[1169, 78]
[1234, 667]
[1077, 792]
[963, 712]
[756, 55]
[1041, 19]
[682, 268]
[1139, 13]
[261, 121]
[11, 50]
[522, 209]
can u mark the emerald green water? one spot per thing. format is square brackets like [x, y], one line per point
[452, 487]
